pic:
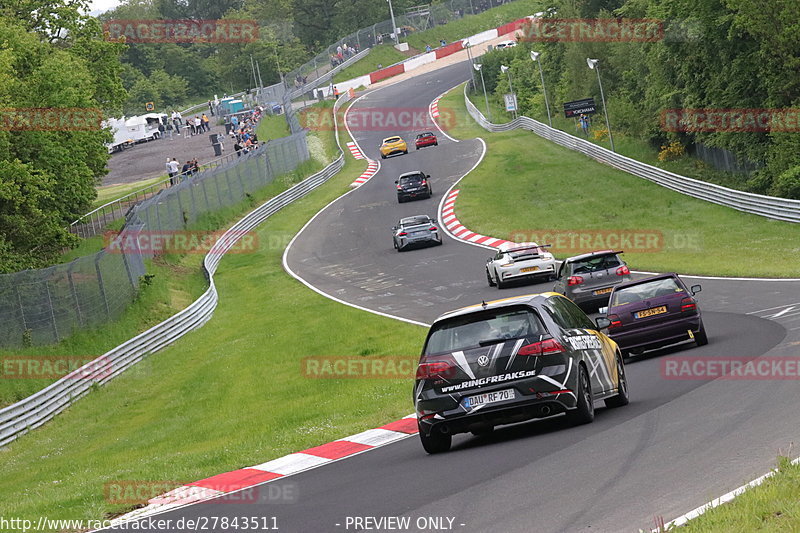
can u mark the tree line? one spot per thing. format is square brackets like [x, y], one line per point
[706, 55]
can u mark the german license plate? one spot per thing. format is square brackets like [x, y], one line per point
[603, 291]
[419, 233]
[529, 269]
[651, 312]
[489, 397]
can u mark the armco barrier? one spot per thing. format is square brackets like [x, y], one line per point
[19, 418]
[757, 204]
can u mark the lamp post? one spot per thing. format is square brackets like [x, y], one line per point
[394, 26]
[507, 70]
[535, 58]
[485, 98]
[593, 64]
[471, 62]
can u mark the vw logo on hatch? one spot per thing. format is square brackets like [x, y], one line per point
[483, 360]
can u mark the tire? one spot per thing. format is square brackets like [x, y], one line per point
[500, 284]
[436, 143]
[383, 156]
[405, 153]
[701, 338]
[436, 442]
[584, 412]
[400, 200]
[489, 278]
[417, 147]
[622, 397]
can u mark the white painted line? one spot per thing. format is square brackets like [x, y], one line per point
[681, 520]
[433, 119]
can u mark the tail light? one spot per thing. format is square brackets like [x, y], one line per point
[402, 234]
[615, 321]
[574, 280]
[623, 271]
[399, 188]
[688, 304]
[432, 369]
[546, 347]
[434, 228]
[424, 182]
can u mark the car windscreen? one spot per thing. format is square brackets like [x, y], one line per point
[645, 291]
[595, 264]
[482, 329]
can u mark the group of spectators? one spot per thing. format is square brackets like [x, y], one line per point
[243, 131]
[196, 125]
[177, 173]
[343, 53]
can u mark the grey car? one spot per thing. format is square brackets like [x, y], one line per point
[419, 230]
[588, 279]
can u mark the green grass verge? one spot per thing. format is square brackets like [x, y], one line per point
[527, 184]
[272, 127]
[109, 193]
[773, 506]
[473, 24]
[383, 54]
[229, 395]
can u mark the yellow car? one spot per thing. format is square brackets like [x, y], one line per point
[393, 145]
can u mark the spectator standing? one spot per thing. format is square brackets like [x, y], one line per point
[173, 168]
[195, 167]
[206, 121]
[186, 170]
[170, 172]
[210, 108]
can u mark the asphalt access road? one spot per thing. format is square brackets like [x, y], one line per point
[676, 446]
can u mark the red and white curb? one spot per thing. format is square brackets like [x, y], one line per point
[355, 151]
[372, 168]
[244, 478]
[458, 231]
[435, 107]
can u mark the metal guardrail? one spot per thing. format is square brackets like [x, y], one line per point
[30, 413]
[773, 207]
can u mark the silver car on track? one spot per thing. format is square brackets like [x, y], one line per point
[419, 230]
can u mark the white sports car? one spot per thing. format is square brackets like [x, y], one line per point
[512, 262]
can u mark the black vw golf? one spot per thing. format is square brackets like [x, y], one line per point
[511, 360]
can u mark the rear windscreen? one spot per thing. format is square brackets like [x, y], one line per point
[595, 264]
[406, 180]
[392, 140]
[645, 291]
[482, 329]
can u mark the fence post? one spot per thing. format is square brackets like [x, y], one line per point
[97, 258]
[21, 310]
[74, 292]
[52, 312]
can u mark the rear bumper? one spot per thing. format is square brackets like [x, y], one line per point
[432, 239]
[426, 143]
[658, 335]
[411, 195]
[545, 270]
[528, 408]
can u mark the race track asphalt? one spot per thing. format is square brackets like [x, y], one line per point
[677, 445]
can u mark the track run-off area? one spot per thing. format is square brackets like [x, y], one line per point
[679, 443]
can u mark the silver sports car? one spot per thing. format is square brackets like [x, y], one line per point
[418, 230]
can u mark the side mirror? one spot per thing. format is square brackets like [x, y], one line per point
[396, 182]
[602, 322]
[490, 259]
[695, 289]
[427, 176]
